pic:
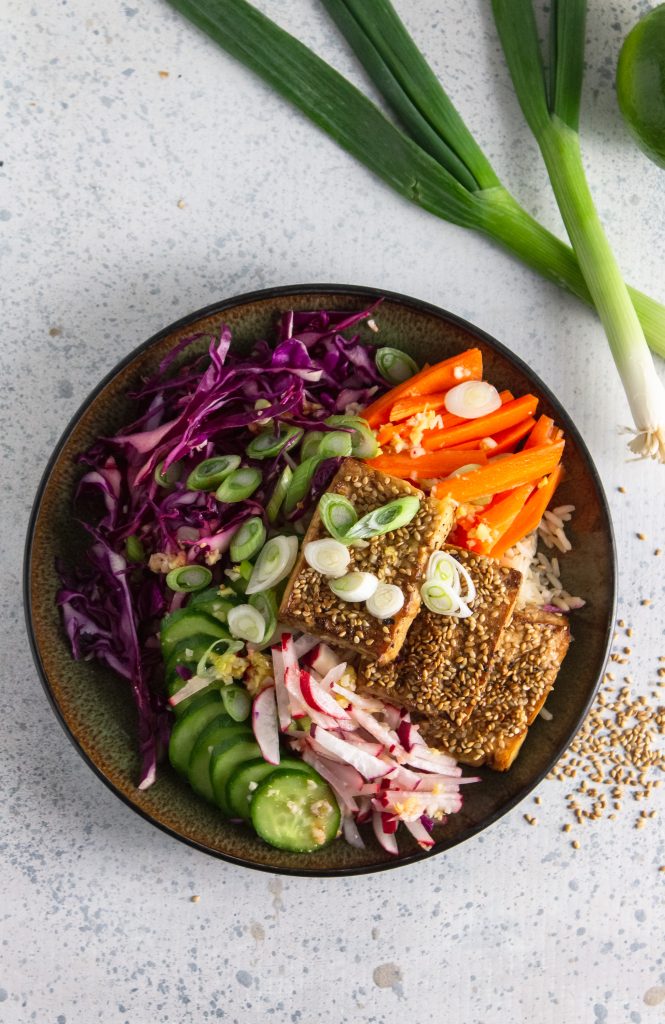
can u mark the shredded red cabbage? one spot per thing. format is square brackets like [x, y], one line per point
[191, 410]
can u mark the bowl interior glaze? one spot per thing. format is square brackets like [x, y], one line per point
[95, 707]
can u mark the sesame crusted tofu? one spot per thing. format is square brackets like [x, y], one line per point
[398, 557]
[523, 672]
[444, 664]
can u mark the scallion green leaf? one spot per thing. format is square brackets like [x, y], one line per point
[395, 366]
[134, 549]
[239, 485]
[248, 539]
[393, 516]
[188, 578]
[209, 474]
[268, 445]
[310, 444]
[363, 442]
[279, 493]
[337, 514]
[170, 477]
[299, 484]
[237, 702]
[335, 444]
[266, 604]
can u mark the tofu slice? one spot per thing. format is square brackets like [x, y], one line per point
[445, 662]
[398, 557]
[523, 673]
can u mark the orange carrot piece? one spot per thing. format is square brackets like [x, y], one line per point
[529, 518]
[558, 434]
[425, 467]
[413, 404]
[507, 439]
[465, 366]
[484, 426]
[541, 433]
[503, 474]
[498, 517]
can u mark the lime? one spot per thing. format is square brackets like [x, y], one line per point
[641, 83]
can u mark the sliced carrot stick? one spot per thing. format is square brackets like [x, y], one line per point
[413, 404]
[506, 440]
[541, 433]
[426, 466]
[497, 518]
[467, 365]
[529, 518]
[502, 474]
[507, 416]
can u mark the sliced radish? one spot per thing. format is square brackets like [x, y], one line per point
[351, 833]
[316, 697]
[369, 766]
[388, 842]
[392, 715]
[364, 809]
[192, 686]
[304, 644]
[371, 747]
[333, 675]
[426, 762]
[389, 823]
[366, 703]
[322, 658]
[420, 834]
[330, 772]
[265, 724]
[281, 693]
[380, 732]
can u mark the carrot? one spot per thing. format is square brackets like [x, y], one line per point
[529, 518]
[542, 433]
[413, 404]
[498, 517]
[465, 366]
[505, 440]
[484, 426]
[424, 467]
[502, 474]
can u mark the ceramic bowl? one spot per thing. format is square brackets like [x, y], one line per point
[95, 707]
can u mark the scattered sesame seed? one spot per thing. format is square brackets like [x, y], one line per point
[641, 536]
[181, 204]
[567, 827]
[537, 800]
[645, 602]
[575, 844]
[621, 490]
[658, 552]
[163, 74]
[195, 899]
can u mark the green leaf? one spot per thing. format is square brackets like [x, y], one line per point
[567, 28]
[519, 38]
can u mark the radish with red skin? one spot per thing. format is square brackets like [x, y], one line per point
[368, 765]
[316, 697]
[192, 686]
[366, 703]
[281, 693]
[368, 746]
[322, 659]
[265, 724]
[389, 823]
[387, 842]
[380, 732]
[420, 834]
[351, 833]
[333, 675]
[325, 768]
[304, 645]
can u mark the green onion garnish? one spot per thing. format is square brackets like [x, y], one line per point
[188, 578]
[275, 562]
[266, 604]
[239, 484]
[208, 475]
[355, 586]
[170, 477]
[245, 569]
[310, 444]
[395, 366]
[336, 444]
[389, 517]
[363, 442]
[269, 445]
[237, 703]
[338, 514]
[300, 481]
[134, 549]
[279, 493]
[247, 623]
[248, 539]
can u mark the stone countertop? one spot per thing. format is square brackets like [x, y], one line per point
[145, 175]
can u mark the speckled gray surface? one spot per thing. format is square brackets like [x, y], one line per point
[98, 253]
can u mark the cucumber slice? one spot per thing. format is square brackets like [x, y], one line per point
[185, 623]
[210, 602]
[295, 811]
[187, 652]
[195, 701]
[216, 732]
[244, 779]
[227, 756]
[187, 730]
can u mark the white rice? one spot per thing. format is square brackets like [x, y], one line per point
[542, 584]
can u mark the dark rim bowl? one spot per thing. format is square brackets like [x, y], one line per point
[94, 706]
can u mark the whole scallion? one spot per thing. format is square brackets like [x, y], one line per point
[437, 165]
[553, 117]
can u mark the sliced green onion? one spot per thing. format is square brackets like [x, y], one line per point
[278, 495]
[266, 604]
[338, 514]
[300, 481]
[327, 556]
[443, 569]
[248, 539]
[247, 623]
[245, 570]
[134, 549]
[394, 366]
[240, 484]
[336, 444]
[188, 578]
[269, 445]
[393, 516]
[275, 562]
[310, 444]
[386, 601]
[262, 403]
[209, 474]
[170, 477]
[237, 702]
[355, 586]
[229, 647]
[472, 399]
[363, 442]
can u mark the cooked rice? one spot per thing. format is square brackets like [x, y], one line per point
[542, 585]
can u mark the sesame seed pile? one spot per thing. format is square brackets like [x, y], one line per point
[617, 759]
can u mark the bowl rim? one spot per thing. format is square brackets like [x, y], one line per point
[370, 294]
